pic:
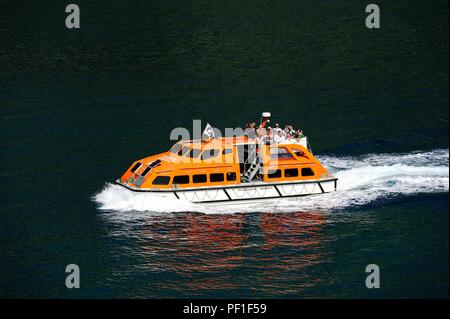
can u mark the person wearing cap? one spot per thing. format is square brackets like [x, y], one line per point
[277, 137]
[277, 128]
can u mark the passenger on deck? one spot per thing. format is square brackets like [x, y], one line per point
[261, 131]
[277, 129]
[278, 137]
[264, 135]
[288, 132]
[250, 130]
[266, 138]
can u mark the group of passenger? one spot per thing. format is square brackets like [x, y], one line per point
[272, 135]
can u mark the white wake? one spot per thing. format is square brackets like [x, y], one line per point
[362, 180]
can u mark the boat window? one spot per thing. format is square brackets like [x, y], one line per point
[184, 150]
[216, 177]
[231, 176]
[146, 171]
[279, 153]
[274, 173]
[210, 153]
[201, 178]
[176, 148]
[299, 152]
[161, 180]
[154, 163]
[135, 167]
[307, 171]
[291, 172]
[194, 153]
[227, 151]
[181, 179]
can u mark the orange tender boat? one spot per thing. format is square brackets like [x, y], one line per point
[230, 170]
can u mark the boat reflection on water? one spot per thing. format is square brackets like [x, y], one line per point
[225, 255]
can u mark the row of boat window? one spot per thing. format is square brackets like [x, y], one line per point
[147, 169]
[280, 153]
[198, 178]
[275, 152]
[290, 172]
[195, 152]
[231, 176]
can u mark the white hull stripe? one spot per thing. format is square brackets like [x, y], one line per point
[250, 192]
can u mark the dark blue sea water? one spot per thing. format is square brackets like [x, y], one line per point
[78, 106]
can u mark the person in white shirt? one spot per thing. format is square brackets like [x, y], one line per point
[277, 137]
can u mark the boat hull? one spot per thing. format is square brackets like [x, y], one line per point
[249, 192]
